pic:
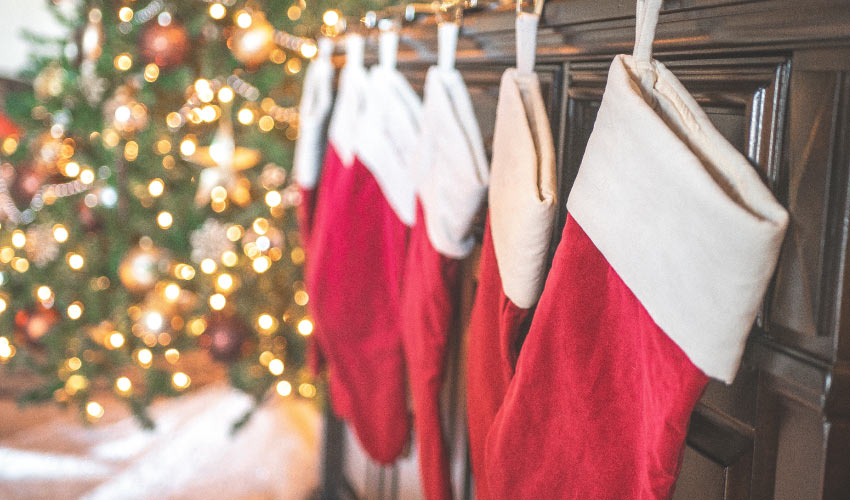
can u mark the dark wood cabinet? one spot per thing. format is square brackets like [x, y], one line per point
[774, 77]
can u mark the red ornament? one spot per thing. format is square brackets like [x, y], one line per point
[8, 127]
[225, 335]
[34, 323]
[91, 221]
[165, 45]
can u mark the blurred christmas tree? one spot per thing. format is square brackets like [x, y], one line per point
[145, 211]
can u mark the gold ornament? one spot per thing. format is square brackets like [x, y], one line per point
[123, 112]
[141, 268]
[253, 44]
[223, 160]
[50, 82]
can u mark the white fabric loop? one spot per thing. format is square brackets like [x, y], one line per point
[526, 42]
[388, 49]
[354, 48]
[447, 34]
[646, 21]
[326, 48]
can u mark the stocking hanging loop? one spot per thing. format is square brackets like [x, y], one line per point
[526, 36]
[647, 19]
[538, 7]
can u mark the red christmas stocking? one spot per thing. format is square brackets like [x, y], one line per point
[670, 244]
[357, 262]
[315, 210]
[313, 113]
[452, 182]
[516, 242]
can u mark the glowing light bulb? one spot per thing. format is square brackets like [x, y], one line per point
[224, 281]
[3, 306]
[156, 187]
[123, 62]
[208, 266]
[276, 367]
[44, 293]
[87, 176]
[125, 14]
[261, 264]
[225, 94]
[7, 350]
[265, 321]
[245, 116]
[75, 310]
[115, 340]
[19, 239]
[164, 220]
[244, 20]
[309, 50]
[284, 388]
[229, 258]
[307, 390]
[180, 381]
[331, 17]
[174, 119]
[74, 364]
[260, 225]
[172, 355]
[305, 327]
[72, 169]
[76, 261]
[145, 357]
[172, 292]
[217, 11]
[185, 271]
[234, 233]
[154, 321]
[151, 72]
[217, 301]
[94, 410]
[123, 385]
[123, 114]
[60, 234]
[187, 147]
[273, 199]
[218, 194]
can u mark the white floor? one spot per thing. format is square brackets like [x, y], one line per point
[46, 454]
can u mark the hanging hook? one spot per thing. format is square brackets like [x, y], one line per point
[449, 12]
[538, 7]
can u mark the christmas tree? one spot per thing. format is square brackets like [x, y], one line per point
[145, 206]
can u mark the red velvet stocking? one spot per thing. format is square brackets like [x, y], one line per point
[495, 327]
[431, 295]
[355, 264]
[600, 402]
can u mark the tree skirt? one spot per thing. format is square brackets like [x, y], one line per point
[191, 455]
